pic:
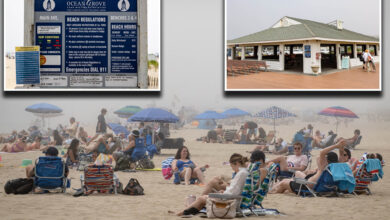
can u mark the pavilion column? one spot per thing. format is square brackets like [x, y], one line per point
[234, 49]
[242, 52]
[368, 47]
[259, 53]
[338, 57]
[281, 56]
[355, 51]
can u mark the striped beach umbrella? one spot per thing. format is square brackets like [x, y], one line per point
[127, 111]
[338, 112]
[274, 113]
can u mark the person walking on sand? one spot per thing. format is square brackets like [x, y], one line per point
[101, 127]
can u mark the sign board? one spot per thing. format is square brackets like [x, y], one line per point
[307, 51]
[87, 43]
[345, 62]
[27, 65]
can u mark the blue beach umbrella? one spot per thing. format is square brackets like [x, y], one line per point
[235, 112]
[274, 113]
[118, 128]
[154, 115]
[44, 110]
[207, 115]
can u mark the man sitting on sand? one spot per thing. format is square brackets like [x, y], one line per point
[128, 150]
[296, 162]
[326, 157]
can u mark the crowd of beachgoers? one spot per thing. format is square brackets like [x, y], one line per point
[294, 158]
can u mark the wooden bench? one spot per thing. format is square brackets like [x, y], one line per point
[245, 67]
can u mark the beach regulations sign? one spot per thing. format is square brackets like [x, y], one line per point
[87, 43]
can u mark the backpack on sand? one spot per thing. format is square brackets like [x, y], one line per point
[19, 186]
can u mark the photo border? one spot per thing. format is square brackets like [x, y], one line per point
[380, 89]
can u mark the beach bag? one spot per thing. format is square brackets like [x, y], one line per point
[166, 168]
[146, 163]
[123, 163]
[218, 208]
[133, 188]
[19, 186]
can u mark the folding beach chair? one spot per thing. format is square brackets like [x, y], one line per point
[100, 178]
[330, 183]
[229, 135]
[139, 155]
[368, 172]
[50, 173]
[253, 194]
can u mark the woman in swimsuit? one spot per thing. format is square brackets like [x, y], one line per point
[186, 168]
[19, 146]
[36, 145]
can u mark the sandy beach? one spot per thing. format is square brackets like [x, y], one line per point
[162, 195]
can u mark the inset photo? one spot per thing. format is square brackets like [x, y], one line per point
[79, 45]
[303, 45]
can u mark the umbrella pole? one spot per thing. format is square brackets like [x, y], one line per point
[337, 124]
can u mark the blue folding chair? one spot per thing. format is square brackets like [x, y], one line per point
[50, 173]
[139, 151]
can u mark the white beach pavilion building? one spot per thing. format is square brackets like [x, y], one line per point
[299, 45]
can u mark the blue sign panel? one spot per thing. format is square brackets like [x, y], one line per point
[87, 43]
[123, 48]
[307, 51]
[86, 5]
[27, 65]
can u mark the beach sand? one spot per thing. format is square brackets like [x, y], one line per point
[162, 195]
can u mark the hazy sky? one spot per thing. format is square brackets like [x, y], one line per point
[192, 75]
[250, 16]
[14, 24]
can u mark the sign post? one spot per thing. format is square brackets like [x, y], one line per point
[95, 44]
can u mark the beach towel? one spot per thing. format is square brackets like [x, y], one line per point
[167, 168]
[374, 166]
[252, 193]
[343, 176]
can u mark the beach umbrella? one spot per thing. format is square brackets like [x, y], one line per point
[118, 128]
[275, 113]
[44, 110]
[235, 112]
[127, 111]
[209, 115]
[338, 112]
[154, 115]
